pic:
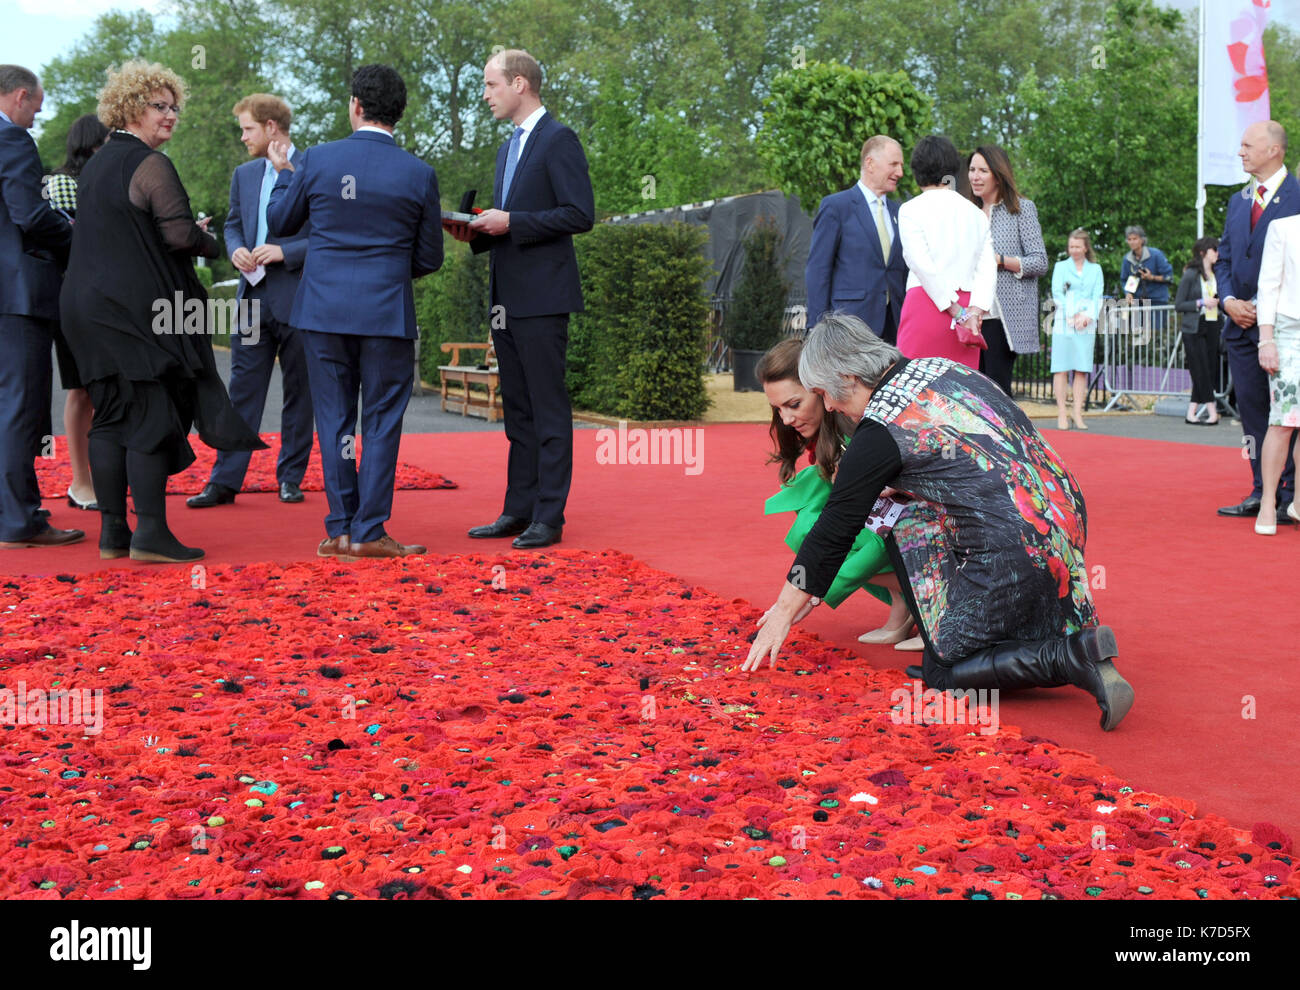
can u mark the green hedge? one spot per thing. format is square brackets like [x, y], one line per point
[451, 305]
[638, 351]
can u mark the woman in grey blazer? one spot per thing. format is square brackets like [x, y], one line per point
[1012, 327]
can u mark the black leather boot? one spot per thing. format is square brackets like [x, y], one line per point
[1082, 659]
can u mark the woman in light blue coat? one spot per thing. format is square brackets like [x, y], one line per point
[1076, 295]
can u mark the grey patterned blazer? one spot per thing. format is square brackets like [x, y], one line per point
[1018, 235]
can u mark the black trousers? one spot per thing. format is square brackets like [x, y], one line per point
[1203, 361]
[997, 361]
[531, 354]
[251, 367]
[890, 333]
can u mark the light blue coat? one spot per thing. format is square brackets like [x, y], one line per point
[1073, 293]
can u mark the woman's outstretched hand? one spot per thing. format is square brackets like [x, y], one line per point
[774, 626]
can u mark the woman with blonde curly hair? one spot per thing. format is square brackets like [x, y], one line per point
[136, 318]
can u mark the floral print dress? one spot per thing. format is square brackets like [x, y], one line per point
[993, 547]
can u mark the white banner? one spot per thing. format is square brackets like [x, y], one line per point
[1234, 84]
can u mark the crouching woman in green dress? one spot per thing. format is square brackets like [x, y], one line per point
[801, 425]
[992, 545]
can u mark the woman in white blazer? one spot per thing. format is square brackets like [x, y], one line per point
[949, 257]
[1278, 311]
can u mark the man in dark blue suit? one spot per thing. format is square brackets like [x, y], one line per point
[34, 242]
[375, 225]
[855, 260]
[269, 269]
[543, 197]
[1273, 193]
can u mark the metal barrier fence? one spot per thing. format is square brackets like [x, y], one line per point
[1139, 351]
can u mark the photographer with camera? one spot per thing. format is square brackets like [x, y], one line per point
[1145, 275]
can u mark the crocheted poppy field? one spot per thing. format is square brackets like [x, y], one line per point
[563, 726]
[54, 474]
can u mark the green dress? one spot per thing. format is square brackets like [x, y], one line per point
[806, 494]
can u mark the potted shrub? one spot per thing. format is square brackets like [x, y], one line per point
[753, 322]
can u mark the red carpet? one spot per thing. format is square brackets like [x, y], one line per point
[54, 475]
[570, 727]
[1203, 608]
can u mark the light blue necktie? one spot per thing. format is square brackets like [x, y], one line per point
[263, 200]
[512, 160]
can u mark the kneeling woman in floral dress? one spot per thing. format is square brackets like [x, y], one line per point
[992, 546]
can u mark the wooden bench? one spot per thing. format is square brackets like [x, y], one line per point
[464, 377]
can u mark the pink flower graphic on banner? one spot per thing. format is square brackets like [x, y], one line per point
[1246, 52]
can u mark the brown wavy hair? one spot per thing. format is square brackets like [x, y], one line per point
[1000, 165]
[781, 364]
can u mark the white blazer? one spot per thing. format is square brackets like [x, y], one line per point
[1279, 272]
[947, 248]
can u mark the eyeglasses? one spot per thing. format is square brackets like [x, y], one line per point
[162, 108]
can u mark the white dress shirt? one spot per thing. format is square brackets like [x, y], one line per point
[529, 123]
[947, 247]
[1279, 272]
[1271, 185]
[872, 207]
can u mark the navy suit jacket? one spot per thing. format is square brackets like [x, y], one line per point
[1241, 249]
[534, 270]
[846, 270]
[34, 239]
[280, 283]
[376, 224]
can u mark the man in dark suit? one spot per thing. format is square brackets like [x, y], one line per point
[269, 269]
[855, 260]
[375, 225]
[1273, 193]
[34, 242]
[543, 196]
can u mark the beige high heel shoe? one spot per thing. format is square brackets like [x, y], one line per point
[914, 645]
[885, 636]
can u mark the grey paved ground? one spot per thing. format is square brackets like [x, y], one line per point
[424, 416]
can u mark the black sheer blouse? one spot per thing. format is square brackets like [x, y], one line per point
[871, 461]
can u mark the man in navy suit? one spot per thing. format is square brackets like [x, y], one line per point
[269, 269]
[1273, 193]
[34, 242]
[855, 260]
[543, 197]
[375, 225]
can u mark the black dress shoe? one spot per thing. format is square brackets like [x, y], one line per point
[289, 492]
[537, 535]
[1248, 507]
[212, 494]
[1283, 518]
[504, 526]
[915, 673]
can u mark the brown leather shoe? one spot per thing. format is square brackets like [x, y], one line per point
[385, 546]
[49, 538]
[335, 546]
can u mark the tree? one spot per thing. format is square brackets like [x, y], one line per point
[818, 118]
[1115, 146]
[74, 80]
[758, 301]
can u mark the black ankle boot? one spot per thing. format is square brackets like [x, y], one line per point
[154, 542]
[114, 537]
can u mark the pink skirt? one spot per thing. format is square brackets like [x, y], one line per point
[924, 331]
